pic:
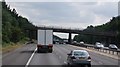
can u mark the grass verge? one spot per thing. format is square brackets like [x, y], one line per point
[11, 47]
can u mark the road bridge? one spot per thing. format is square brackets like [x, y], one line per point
[108, 35]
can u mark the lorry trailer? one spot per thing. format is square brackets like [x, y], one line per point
[45, 41]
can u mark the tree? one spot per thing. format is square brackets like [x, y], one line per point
[112, 26]
[13, 26]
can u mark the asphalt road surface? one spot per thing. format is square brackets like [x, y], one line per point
[22, 56]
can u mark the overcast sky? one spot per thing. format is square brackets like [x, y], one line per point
[67, 14]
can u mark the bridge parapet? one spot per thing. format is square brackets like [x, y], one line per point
[58, 27]
[78, 31]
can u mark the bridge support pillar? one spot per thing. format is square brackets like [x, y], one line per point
[69, 38]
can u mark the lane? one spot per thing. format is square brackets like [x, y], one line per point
[44, 59]
[59, 56]
[66, 49]
[100, 59]
[19, 56]
[47, 58]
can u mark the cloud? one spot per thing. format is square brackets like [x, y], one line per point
[67, 14]
[62, 0]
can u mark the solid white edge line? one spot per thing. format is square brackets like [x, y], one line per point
[30, 58]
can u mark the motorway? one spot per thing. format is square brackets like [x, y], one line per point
[21, 56]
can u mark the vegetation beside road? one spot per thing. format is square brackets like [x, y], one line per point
[13, 27]
[7, 47]
[10, 47]
[112, 27]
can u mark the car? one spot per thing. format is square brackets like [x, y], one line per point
[81, 43]
[79, 57]
[113, 46]
[99, 45]
[74, 42]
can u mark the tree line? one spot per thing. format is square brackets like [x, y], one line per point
[14, 28]
[111, 26]
[13, 25]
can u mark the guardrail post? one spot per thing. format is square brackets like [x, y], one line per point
[113, 52]
[117, 52]
[109, 51]
[105, 51]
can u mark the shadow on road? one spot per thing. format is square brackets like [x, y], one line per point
[30, 51]
[42, 52]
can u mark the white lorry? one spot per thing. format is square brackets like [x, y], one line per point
[45, 41]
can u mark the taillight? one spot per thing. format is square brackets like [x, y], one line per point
[50, 45]
[89, 57]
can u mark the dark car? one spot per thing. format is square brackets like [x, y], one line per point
[74, 42]
[113, 46]
[79, 57]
